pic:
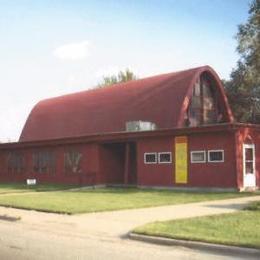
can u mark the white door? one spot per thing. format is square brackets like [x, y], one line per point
[249, 165]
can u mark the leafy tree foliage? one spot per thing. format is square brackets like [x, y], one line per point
[122, 76]
[243, 89]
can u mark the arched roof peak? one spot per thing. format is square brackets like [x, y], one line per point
[159, 99]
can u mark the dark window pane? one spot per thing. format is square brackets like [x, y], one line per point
[16, 162]
[43, 162]
[249, 168]
[150, 158]
[249, 154]
[165, 157]
[216, 156]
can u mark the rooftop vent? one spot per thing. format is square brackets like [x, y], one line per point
[135, 126]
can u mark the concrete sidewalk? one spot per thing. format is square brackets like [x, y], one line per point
[99, 235]
[119, 223]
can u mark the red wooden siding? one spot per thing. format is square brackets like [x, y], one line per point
[207, 174]
[104, 160]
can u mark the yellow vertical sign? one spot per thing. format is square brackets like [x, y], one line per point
[181, 163]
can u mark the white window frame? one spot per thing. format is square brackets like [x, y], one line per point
[194, 152]
[223, 156]
[159, 161]
[153, 153]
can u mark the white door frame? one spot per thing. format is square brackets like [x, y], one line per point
[249, 179]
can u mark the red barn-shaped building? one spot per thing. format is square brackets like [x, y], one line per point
[171, 130]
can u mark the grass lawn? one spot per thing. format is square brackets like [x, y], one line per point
[7, 188]
[241, 228]
[106, 199]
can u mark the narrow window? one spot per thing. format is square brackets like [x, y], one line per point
[216, 156]
[72, 162]
[150, 158]
[16, 163]
[165, 157]
[43, 162]
[198, 156]
[209, 104]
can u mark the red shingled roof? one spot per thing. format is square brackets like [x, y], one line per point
[159, 99]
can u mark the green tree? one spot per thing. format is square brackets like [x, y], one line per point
[243, 88]
[122, 76]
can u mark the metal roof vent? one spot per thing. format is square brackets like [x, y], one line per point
[135, 126]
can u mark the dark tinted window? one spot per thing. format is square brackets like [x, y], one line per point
[216, 156]
[165, 157]
[16, 162]
[150, 158]
[43, 161]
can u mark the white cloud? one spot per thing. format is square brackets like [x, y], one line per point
[72, 51]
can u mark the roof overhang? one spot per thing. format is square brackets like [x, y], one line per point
[116, 137]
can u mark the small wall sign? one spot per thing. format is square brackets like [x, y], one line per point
[31, 181]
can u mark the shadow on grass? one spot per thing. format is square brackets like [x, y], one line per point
[162, 192]
[254, 206]
[20, 187]
[228, 206]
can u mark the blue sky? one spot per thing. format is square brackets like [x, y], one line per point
[50, 48]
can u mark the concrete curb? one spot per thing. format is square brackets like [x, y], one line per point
[217, 248]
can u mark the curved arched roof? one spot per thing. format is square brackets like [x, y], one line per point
[159, 99]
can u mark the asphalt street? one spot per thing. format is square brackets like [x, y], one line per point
[40, 235]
